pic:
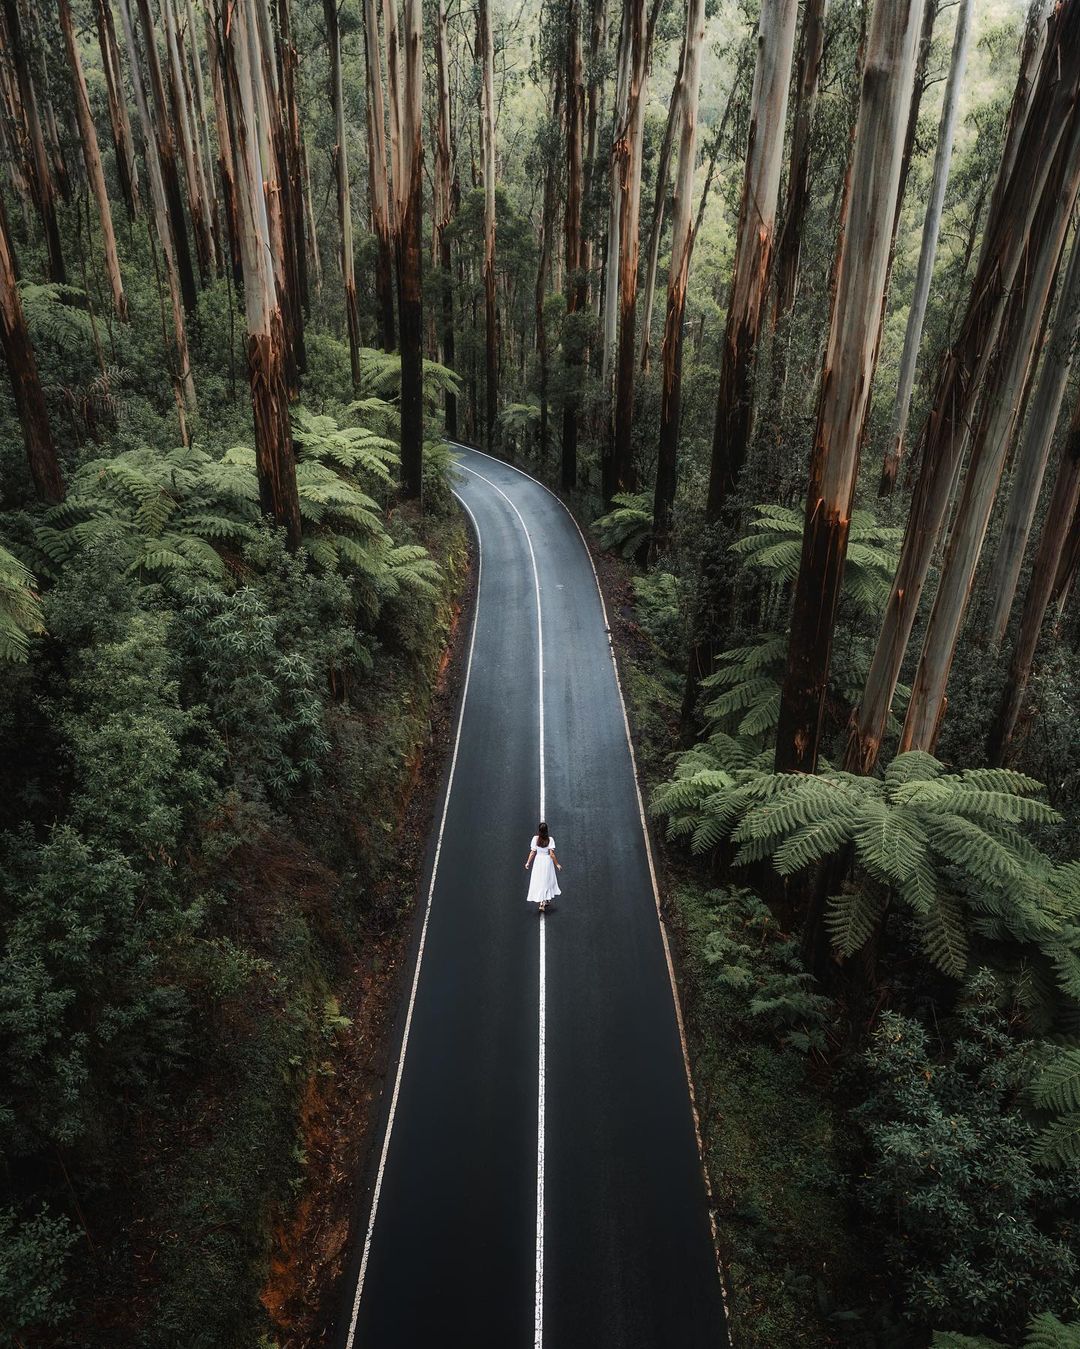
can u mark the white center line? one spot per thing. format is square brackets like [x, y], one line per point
[541, 1088]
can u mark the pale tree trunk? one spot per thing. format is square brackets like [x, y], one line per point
[617, 469]
[491, 325]
[197, 205]
[1051, 553]
[547, 225]
[753, 249]
[682, 244]
[23, 373]
[393, 94]
[183, 381]
[1068, 565]
[1001, 403]
[610, 312]
[159, 133]
[312, 232]
[1034, 453]
[928, 249]
[444, 205]
[380, 193]
[1052, 115]
[808, 78]
[126, 167]
[594, 97]
[44, 186]
[92, 160]
[274, 455]
[851, 354]
[409, 187]
[341, 171]
[204, 149]
[226, 156]
[656, 228]
[576, 261]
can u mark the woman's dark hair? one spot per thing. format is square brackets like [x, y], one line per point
[542, 835]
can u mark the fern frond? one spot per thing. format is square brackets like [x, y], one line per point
[851, 919]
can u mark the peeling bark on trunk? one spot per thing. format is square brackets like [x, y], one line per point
[341, 172]
[753, 249]
[1049, 557]
[1002, 402]
[491, 323]
[682, 243]
[92, 160]
[44, 187]
[928, 250]
[444, 207]
[160, 127]
[576, 263]
[23, 373]
[789, 243]
[847, 375]
[184, 383]
[126, 167]
[274, 455]
[1052, 115]
[656, 228]
[410, 211]
[226, 155]
[1034, 453]
[197, 205]
[379, 187]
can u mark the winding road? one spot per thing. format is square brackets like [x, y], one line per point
[537, 1178]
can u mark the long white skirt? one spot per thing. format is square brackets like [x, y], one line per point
[543, 882]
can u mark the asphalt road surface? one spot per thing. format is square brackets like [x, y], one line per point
[537, 1179]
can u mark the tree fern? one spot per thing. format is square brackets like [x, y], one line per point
[627, 525]
[20, 609]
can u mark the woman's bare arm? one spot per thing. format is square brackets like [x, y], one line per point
[558, 864]
[529, 858]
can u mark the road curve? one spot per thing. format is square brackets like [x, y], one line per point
[537, 1178]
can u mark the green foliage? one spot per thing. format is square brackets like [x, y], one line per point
[20, 609]
[627, 525]
[1043, 1332]
[1056, 1089]
[33, 1253]
[977, 1235]
[660, 601]
[774, 546]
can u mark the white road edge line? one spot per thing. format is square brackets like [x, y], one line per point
[420, 950]
[541, 1072]
[652, 869]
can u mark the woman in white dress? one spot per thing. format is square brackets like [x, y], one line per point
[543, 884]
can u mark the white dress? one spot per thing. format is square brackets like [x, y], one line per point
[543, 884]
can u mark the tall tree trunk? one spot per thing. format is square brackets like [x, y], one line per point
[753, 249]
[39, 161]
[1052, 116]
[203, 148]
[491, 324]
[682, 243]
[288, 69]
[226, 155]
[1068, 565]
[380, 193]
[312, 232]
[576, 262]
[928, 250]
[547, 227]
[25, 383]
[656, 228]
[274, 455]
[160, 128]
[92, 160]
[393, 93]
[610, 312]
[1002, 401]
[1051, 552]
[183, 381]
[197, 205]
[1034, 453]
[619, 473]
[444, 205]
[808, 78]
[409, 187]
[847, 375]
[594, 97]
[126, 168]
[341, 171]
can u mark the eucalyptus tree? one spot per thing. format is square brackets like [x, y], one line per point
[485, 42]
[344, 195]
[127, 170]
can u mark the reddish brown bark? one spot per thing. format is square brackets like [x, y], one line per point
[23, 373]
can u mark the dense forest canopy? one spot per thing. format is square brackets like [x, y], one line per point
[783, 297]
